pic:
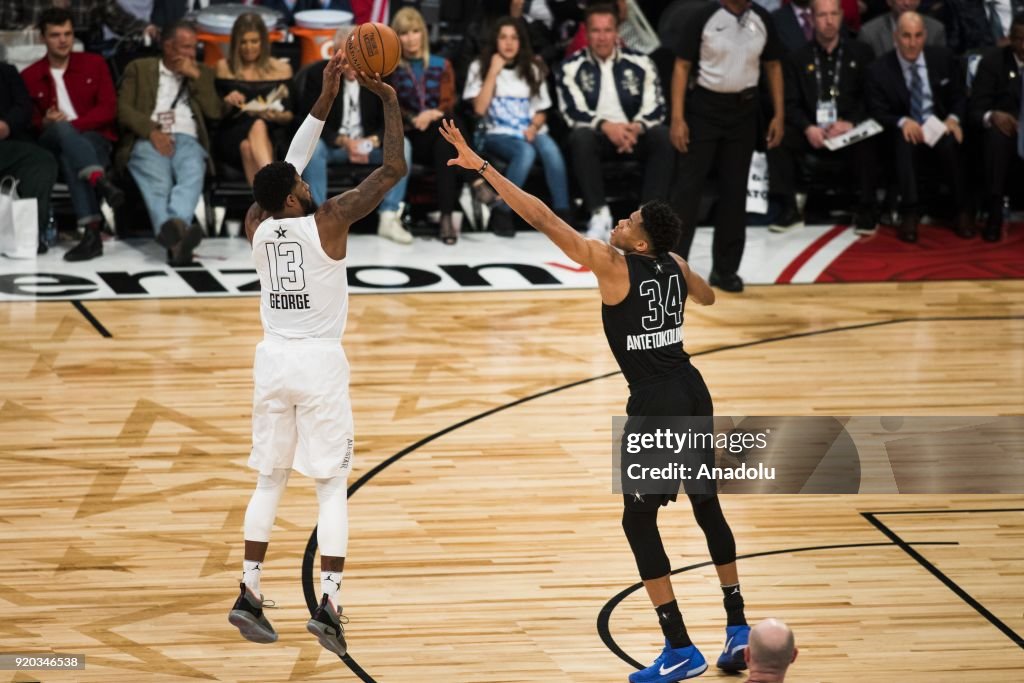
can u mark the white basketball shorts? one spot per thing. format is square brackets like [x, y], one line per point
[301, 413]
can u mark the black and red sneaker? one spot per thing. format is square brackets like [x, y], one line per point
[326, 625]
[247, 617]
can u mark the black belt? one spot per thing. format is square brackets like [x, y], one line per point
[743, 96]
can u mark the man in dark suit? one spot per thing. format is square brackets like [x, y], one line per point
[976, 24]
[795, 24]
[824, 99]
[352, 134]
[907, 87]
[996, 108]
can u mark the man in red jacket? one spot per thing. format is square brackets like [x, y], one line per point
[74, 108]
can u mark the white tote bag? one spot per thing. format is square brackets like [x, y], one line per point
[19, 222]
[757, 184]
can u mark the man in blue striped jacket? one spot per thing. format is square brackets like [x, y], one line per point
[611, 98]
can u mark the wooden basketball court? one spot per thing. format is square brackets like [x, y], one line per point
[485, 541]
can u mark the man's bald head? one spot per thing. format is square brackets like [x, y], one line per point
[910, 21]
[772, 647]
[910, 35]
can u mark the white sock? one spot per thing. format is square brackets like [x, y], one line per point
[330, 583]
[251, 571]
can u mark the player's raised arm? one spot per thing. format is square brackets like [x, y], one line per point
[304, 143]
[306, 137]
[699, 290]
[350, 206]
[590, 253]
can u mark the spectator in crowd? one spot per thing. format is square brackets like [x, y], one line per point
[74, 111]
[852, 14]
[545, 22]
[247, 137]
[824, 99]
[542, 18]
[539, 17]
[140, 9]
[34, 167]
[771, 650]
[996, 107]
[425, 85]
[353, 134]
[795, 24]
[162, 107]
[611, 98]
[878, 33]
[634, 31]
[88, 16]
[507, 89]
[977, 24]
[714, 123]
[905, 88]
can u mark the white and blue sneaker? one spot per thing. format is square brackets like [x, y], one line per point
[736, 639]
[672, 665]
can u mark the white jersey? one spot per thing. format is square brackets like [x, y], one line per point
[304, 291]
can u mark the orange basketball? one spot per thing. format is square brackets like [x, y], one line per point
[373, 48]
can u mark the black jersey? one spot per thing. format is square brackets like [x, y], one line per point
[645, 330]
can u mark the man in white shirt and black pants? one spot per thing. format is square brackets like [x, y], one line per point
[714, 120]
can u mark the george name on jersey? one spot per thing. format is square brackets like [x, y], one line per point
[289, 302]
[654, 340]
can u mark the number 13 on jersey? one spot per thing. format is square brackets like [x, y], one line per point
[286, 266]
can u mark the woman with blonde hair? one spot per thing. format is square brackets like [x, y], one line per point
[425, 85]
[258, 87]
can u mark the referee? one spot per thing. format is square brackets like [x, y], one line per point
[715, 120]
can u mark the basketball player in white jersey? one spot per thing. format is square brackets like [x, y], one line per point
[302, 417]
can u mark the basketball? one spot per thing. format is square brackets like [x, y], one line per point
[373, 48]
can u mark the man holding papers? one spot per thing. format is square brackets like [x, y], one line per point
[824, 99]
[917, 94]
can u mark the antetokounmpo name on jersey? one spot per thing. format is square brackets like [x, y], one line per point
[654, 340]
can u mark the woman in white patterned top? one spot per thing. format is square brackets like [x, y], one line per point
[507, 89]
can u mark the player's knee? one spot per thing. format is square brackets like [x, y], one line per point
[332, 526]
[262, 509]
[277, 479]
[711, 519]
[641, 529]
[639, 525]
[331, 487]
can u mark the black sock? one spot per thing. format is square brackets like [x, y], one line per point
[672, 626]
[734, 605]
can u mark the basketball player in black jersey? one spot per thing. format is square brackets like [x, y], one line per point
[643, 288]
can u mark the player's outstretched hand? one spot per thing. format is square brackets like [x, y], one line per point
[375, 85]
[332, 74]
[466, 158]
